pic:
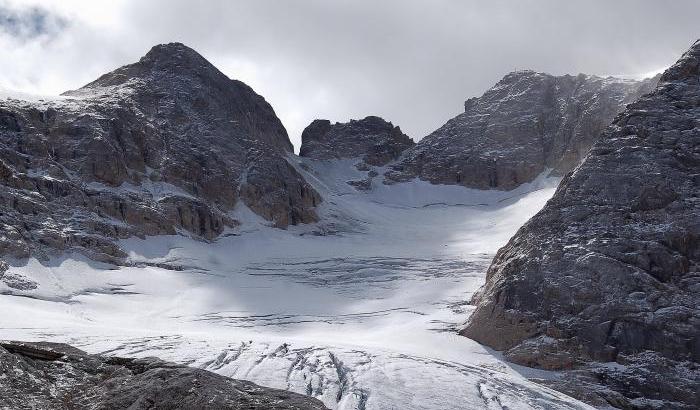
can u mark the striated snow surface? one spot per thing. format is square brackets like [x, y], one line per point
[359, 310]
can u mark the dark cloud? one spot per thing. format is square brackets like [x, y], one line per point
[412, 62]
[29, 23]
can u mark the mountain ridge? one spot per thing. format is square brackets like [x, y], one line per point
[526, 123]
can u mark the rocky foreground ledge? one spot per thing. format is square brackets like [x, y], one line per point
[46, 375]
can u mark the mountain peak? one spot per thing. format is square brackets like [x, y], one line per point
[172, 53]
[177, 74]
[161, 64]
[517, 75]
[687, 68]
[171, 48]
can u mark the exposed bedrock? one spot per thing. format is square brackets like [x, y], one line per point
[168, 144]
[606, 277]
[376, 141]
[45, 375]
[527, 123]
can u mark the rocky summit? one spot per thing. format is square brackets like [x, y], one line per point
[165, 145]
[372, 139]
[605, 279]
[58, 376]
[526, 124]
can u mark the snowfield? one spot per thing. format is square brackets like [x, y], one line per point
[359, 310]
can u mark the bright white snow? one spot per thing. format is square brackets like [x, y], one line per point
[359, 311]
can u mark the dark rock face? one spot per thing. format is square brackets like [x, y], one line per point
[609, 270]
[164, 145]
[373, 139]
[57, 376]
[525, 124]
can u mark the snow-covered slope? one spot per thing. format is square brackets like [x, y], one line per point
[359, 310]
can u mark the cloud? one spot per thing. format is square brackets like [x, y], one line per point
[29, 23]
[412, 62]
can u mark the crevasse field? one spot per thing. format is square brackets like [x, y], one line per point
[360, 310]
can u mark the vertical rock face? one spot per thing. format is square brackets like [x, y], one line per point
[165, 144]
[525, 124]
[373, 139]
[609, 270]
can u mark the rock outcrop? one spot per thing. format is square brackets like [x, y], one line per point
[606, 277]
[168, 144]
[527, 123]
[374, 140]
[57, 376]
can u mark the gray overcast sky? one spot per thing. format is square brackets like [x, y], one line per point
[411, 62]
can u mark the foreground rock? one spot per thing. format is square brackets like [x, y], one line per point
[168, 144]
[606, 278]
[58, 376]
[527, 123]
[374, 140]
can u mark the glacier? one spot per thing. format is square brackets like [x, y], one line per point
[359, 310]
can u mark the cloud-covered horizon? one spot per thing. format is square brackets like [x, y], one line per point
[412, 62]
